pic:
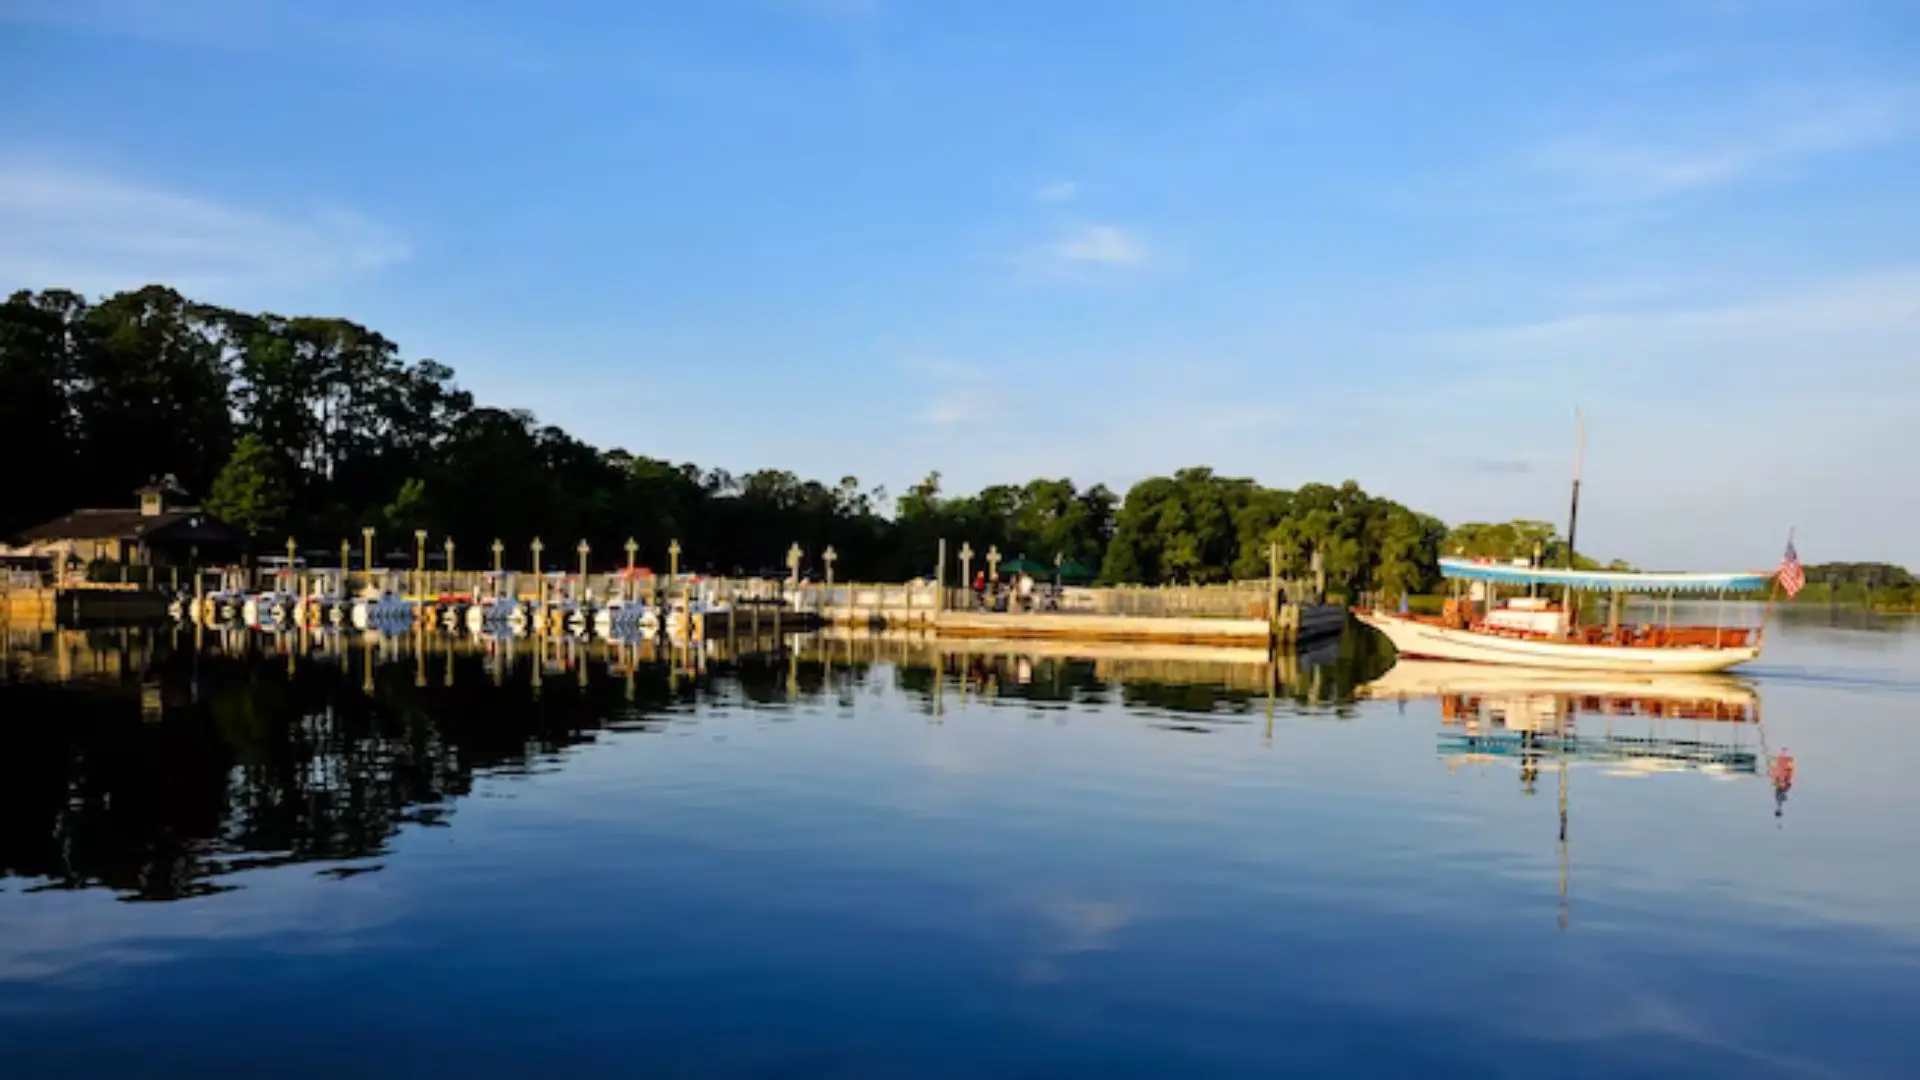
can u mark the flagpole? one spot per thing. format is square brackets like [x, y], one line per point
[1773, 592]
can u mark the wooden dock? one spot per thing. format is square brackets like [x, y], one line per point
[1295, 625]
[1245, 614]
[1059, 626]
[81, 605]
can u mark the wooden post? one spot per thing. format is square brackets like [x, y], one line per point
[1273, 594]
[627, 586]
[940, 581]
[451, 585]
[583, 549]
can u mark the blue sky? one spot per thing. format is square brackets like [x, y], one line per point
[1294, 240]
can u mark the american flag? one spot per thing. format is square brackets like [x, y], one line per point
[1791, 576]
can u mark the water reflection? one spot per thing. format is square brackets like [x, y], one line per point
[158, 763]
[1632, 724]
[1624, 725]
[882, 856]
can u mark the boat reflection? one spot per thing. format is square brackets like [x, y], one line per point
[1630, 724]
[1622, 724]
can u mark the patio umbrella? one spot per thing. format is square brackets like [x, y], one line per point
[1024, 565]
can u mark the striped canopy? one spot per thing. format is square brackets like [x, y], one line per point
[1603, 580]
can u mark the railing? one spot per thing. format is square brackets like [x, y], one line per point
[1232, 600]
[1237, 600]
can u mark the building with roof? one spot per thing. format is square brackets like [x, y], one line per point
[159, 530]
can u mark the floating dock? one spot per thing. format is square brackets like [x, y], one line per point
[1295, 625]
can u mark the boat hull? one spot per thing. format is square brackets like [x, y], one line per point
[1424, 640]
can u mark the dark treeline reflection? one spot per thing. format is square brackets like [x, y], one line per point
[157, 763]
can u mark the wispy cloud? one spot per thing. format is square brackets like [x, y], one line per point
[94, 232]
[364, 31]
[1783, 406]
[1093, 247]
[959, 391]
[1057, 191]
[1872, 312]
[1500, 466]
[1657, 157]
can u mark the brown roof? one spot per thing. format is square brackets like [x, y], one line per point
[165, 485]
[186, 524]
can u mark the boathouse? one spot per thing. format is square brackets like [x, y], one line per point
[159, 530]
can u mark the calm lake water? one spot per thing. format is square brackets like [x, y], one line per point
[250, 856]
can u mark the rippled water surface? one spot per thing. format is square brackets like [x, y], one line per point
[228, 856]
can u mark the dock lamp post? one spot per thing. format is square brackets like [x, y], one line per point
[583, 549]
[633, 548]
[793, 563]
[828, 557]
[346, 563]
[993, 563]
[498, 548]
[540, 581]
[966, 569]
[663, 593]
[366, 539]
[449, 556]
[420, 561]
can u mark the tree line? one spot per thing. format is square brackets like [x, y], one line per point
[1882, 586]
[313, 428]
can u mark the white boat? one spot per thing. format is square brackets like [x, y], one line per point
[269, 609]
[625, 619]
[386, 610]
[1536, 631]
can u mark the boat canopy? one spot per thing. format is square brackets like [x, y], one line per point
[1603, 580]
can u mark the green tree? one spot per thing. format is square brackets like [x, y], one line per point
[251, 491]
[1401, 569]
[343, 430]
[39, 431]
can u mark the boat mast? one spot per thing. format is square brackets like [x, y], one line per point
[1573, 515]
[1579, 459]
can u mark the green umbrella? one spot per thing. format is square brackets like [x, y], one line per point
[1024, 565]
[1073, 571]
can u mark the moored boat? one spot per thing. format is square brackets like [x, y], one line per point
[1535, 630]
